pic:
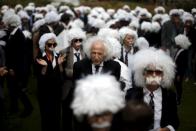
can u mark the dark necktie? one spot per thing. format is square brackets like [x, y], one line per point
[97, 69]
[77, 56]
[126, 58]
[151, 103]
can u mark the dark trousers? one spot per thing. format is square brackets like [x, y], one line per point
[50, 111]
[178, 86]
[17, 91]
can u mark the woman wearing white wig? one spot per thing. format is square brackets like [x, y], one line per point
[128, 38]
[96, 99]
[154, 72]
[49, 72]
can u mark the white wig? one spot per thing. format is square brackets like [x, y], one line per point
[91, 41]
[44, 38]
[182, 41]
[193, 11]
[97, 94]
[108, 32]
[38, 16]
[174, 12]
[76, 33]
[142, 43]
[12, 20]
[38, 24]
[156, 27]
[159, 9]
[77, 23]
[127, 31]
[134, 24]
[157, 17]
[22, 14]
[188, 17]
[18, 6]
[159, 59]
[146, 26]
[165, 18]
[116, 46]
[52, 17]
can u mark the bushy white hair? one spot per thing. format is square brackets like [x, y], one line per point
[142, 43]
[188, 17]
[22, 14]
[182, 41]
[77, 23]
[116, 46]
[174, 12]
[134, 24]
[108, 32]
[125, 31]
[92, 40]
[146, 26]
[159, 9]
[38, 24]
[96, 94]
[12, 19]
[159, 59]
[44, 38]
[156, 27]
[76, 33]
[51, 17]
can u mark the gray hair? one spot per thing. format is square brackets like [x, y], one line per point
[91, 41]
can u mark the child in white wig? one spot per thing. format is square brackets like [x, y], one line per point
[97, 97]
[153, 72]
[181, 60]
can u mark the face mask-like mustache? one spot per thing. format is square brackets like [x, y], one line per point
[52, 49]
[153, 80]
[101, 125]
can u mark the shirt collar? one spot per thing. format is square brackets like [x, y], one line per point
[99, 64]
[44, 53]
[155, 92]
[14, 31]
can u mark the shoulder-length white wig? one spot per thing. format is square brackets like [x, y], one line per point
[96, 94]
[44, 38]
[93, 40]
[159, 59]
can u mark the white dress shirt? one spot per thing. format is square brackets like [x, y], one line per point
[76, 51]
[157, 107]
[94, 69]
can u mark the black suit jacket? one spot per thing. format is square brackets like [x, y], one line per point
[84, 68]
[181, 63]
[169, 106]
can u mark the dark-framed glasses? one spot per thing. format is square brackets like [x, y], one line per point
[77, 40]
[152, 72]
[51, 44]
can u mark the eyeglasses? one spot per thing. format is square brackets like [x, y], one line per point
[77, 40]
[152, 72]
[51, 44]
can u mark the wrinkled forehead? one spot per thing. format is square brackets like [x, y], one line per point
[153, 67]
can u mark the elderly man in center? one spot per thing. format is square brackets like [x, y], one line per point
[99, 60]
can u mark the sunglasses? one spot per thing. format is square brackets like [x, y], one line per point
[51, 44]
[152, 72]
[77, 40]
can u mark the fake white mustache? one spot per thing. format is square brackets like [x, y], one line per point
[101, 125]
[150, 80]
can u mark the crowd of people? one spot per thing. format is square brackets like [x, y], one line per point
[97, 69]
